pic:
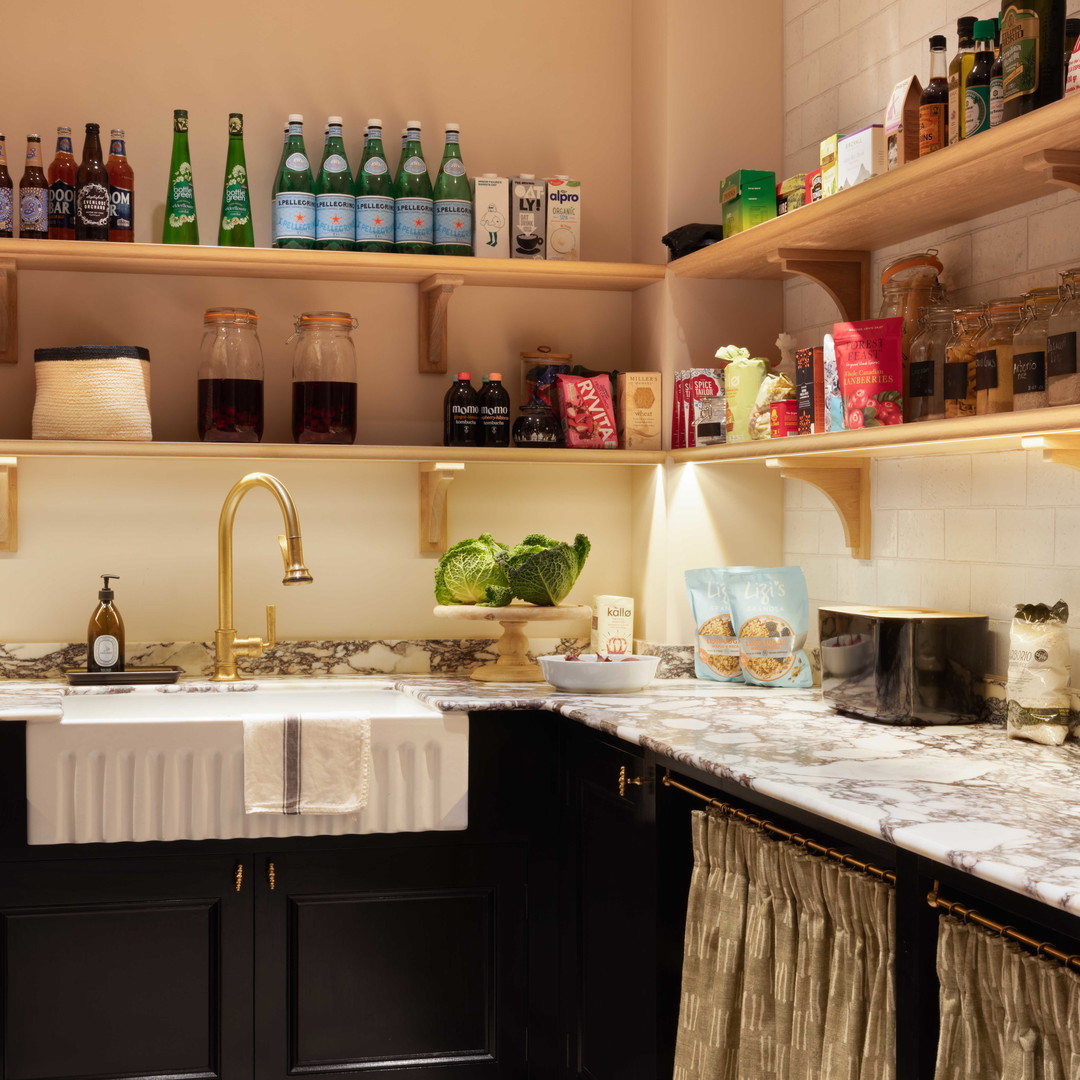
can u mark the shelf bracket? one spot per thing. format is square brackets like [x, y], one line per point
[9, 504]
[844, 275]
[435, 293]
[9, 324]
[435, 477]
[1059, 167]
[1057, 449]
[845, 482]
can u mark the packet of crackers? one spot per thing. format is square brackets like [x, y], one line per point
[586, 411]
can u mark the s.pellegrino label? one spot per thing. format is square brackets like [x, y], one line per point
[413, 220]
[92, 205]
[453, 221]
[335, 217]
[294, 215]
[61, 205]
[374, 217]
[1061, 353]
[1029, 372]
[986, 370]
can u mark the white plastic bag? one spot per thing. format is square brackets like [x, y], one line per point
[1039, 662]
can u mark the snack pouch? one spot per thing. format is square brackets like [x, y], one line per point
[771, 610]
[834, 403]
[1039, 658]
[870, 367]
[716, 649]
[587, 412]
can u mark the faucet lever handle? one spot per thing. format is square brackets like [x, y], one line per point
[271, 626]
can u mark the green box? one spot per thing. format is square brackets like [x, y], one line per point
[748, 197]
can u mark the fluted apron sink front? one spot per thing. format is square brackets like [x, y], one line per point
[155, 765]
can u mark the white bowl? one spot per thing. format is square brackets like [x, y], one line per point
[624, 675]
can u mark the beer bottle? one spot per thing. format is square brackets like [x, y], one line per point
[453, 200]
[33, 194]
[235, 228]
[413, 211]
[92, 190]
[374, 195]
[63, 173]
[121, 190]
[335, 203]
[1032, 54]
[181, 222]
[294, 193]
[7, 198]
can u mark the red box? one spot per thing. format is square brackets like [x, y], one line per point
[783, 418]
[813, 186]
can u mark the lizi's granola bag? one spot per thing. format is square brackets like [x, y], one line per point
[771, 615]
[716, 649]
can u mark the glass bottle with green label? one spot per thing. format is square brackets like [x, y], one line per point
[413, 199]
[374, 195]
[181, 224]
[959, 67]
[1032, 54]
[235, 228]
[453, 200]
[335, 204]
[977, 87]
[294, 194]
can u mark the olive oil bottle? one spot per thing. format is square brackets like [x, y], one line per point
[1032, 54]
[105, 634]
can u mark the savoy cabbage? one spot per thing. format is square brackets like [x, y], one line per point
[469, 573]
[542, 571]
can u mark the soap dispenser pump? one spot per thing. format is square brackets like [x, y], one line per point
[105, 634]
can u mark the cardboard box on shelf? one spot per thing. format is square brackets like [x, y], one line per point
[828, 159]
[637, 410]
[813, 186]
[861, 155]
[491, 216]
[748, 197]
[810, 390]
[791, 194]
[902, 123]
[563, 219]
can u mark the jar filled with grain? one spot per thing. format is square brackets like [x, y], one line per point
[1062, 378]
[1029, 349]
[994, 356]
[959, 378]
[925, 399]
[908, 285]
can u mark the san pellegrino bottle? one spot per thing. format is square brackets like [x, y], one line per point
[92, 202]
[374, 195]
[235, 228]
[294, 193]
[181, 223]
[453, 200]
[335, 203]
[414, 231]
[63, 173]
[401, 157]
[33, 194]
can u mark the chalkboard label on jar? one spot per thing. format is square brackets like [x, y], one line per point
[921, 378]
[1061, 354]
[956, 381]
[1029, 372]
[986, 370]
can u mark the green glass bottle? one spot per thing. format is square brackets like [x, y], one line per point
[235, 228]
[1032, 55]
[335, 204]
[294, 194]
[453, 200]
[374, 195]
[414, 231]
[181, 224]
[401, 158]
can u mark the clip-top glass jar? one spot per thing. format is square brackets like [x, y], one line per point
[994, 356]
[925, 399]
[1029, 349]
[1062, 377]
[230, 401]
[960, 361]
[908, 284]
[324, 378]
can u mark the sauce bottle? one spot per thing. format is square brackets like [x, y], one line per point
[934, 101]
[105, 633]
[959, 67]
[977, 88]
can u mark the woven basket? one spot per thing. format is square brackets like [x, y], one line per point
[92, 392]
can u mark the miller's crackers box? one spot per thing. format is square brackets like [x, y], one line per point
[563, 219]
[637, 410]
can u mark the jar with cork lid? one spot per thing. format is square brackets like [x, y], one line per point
[1062, 377]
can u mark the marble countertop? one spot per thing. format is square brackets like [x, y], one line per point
[1004, 810]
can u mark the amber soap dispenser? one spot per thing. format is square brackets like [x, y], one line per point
[105, 634]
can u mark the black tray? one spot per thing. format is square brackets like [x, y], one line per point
[134, 676]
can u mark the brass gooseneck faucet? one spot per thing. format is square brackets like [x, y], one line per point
[227, 646]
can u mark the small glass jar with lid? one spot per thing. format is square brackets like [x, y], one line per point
[230, 390]
[959, 377]
[536, 426]
[1062, 377]
[924, 398]
[324, 378]
[1029, 349]
[994, 356]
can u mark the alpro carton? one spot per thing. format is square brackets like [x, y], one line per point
[491, 216]
[528, 217]
[748, 197]
[563, 219]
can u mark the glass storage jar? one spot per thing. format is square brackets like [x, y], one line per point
[959, 377]
[324, 378]
[994, 355]
[230, 390]
[1062, 378]
[909, 284]
[536, 426]
[1029, 349]
[925, 396]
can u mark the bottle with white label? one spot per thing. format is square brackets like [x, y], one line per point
[453, 201]
[105, 634]
[414, 230]
[335, 204]
[294, 193]
[374, 195]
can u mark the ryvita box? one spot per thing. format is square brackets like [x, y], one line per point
[491, 217]
[748, 197]
[528, 217]
[563, 219]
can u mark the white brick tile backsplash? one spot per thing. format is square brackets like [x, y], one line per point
[970, 535]
[897, 483]
[999, 479]
[946, 481]
[856, 581]
[1048, 585]
[1051, 485]
[793, 494]
[1025, 536]
[921, 534]
[1052, 237]
[883, 534]
[832, 540]
[793, 41]
[946, 586]
[802, 531]
[794, 8]
[899, 582]
[1000, 250]
[858, 97]
[918, 20]
[820, 573]
[821, 25]
[820, 118]
[879, 35]
[853, 13]
[994, 589]
[1067, 537]
[802, 81]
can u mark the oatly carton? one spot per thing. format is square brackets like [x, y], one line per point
[528, 217]
[563, 219]
[491, 216]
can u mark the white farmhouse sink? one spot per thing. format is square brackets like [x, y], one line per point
[157, 765]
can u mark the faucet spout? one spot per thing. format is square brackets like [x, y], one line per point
[227, 646]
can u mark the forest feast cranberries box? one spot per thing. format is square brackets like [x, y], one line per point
[491, 216]
[563, 219]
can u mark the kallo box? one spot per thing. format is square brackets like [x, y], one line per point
[528, 217]
[563, 219]
[491, 216]
[637, 410]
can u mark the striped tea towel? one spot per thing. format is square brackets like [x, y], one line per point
[307, 764]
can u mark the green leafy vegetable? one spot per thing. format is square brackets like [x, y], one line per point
[542, 571]
[470, 573]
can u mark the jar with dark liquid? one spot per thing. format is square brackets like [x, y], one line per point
[230, 407]
[324, 378]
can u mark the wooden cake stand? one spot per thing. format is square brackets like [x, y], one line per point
[513, 664]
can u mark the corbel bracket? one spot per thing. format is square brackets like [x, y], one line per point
[435, 477]
[1059, 167]
[844, 275]
[1056, 449]
[9, 326]
[435, 293]
[9, 504]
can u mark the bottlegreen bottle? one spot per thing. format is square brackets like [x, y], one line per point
[374, 195]
[235, 228]
[181, 224]
[335, 204]
[294, 193]
[413, 200]
[453, 200]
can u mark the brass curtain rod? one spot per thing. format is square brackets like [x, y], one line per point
[1042, 948]
[795, 838]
